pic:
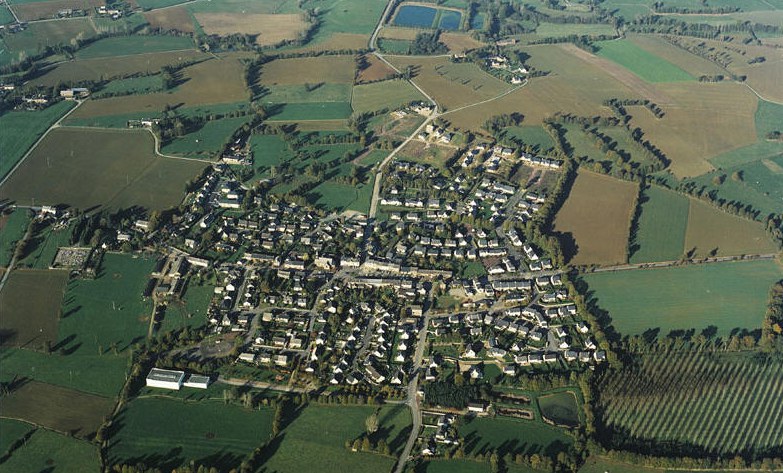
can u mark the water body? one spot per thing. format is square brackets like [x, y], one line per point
[415, 16]
[477, 22]
[450, 20]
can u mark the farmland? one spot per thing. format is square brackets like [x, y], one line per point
[270, 29]
[130, 45]
[22, 129]
[50, 451]
[11, 431]
[720, 404]
[725, 295]
[268, 151]
[384, 95]
[207, 141]
[345, 19]
[596, 218]
[311, 70]
[192, 311]
[310, 111]
[12, 228]
[43, 34]
[168, 433]
[100, 173]
[505, 435]
[642, 63]
[663, 221]
[57, 408]
[31, 306]
[711, 230]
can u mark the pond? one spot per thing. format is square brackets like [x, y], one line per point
[477, 22]
[450, 20]
[415, 16]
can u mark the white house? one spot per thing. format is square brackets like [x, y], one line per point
[165, 379]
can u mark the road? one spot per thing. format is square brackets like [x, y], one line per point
[7, 271]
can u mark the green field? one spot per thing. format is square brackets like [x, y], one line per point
[11, 431]
[602, 465]
[43, 246]
[268, 151]
[47, 451]
[132, 85]
[719, 403]
[127, 45]
[348, 16]
[725, 295]
[335, 425]
[534, 136]
[168, 433]
[308, 93]
[390, 94]
[505, 435]
[660, 235]
[337, 196]
[394, 46]
[121, 120]
[192, 312]
[207, 141]
[39, 35]
[309, 111]
[466, 466]
[556, 30]
[642, 63]
[22, 129]
[30, 304]
[12, 230]
[560, 408]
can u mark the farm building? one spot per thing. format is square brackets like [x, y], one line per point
[165, 379]
[197, 381]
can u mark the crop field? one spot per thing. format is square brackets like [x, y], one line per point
[560, 408]
[327, 451]
[168, 433]
[505, 435]
[692, 64]
[175, 18]
[52, 452]
[57, 408]
[21, 129]
[96, 69]
[344, 19]
[309, 70]
[399, 32]
[720, 403]
[87, 168]
[270, 29]
[701, 122]
[376, 70]
[47, 33]
[660, 235]
[303, 93]
[130, 45]
[209, 82]
[108, 313]
[47, 9]
[764, 77]
[31, 306]
[207, 141]
[131, 85]
[557, 30]
[712, 230]
[459, 42]
[384, 95]
[12, 228]
[596, 218]
[452, 84]
[725, 295]
[648, 66]
[767, 118]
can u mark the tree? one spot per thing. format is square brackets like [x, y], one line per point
[372, 423]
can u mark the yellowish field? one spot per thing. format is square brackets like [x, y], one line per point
[176, 18]
[596, 217]
[710, 228]
[338, 42]
[317, 125]
[692, 64]
[95, 69]
[48, 9]
[459, 42]
[334, 69]
[766, 78]
[399, 32]
[452, 85]
[704, 121]
[271, 29]
[209, 82]
[376, 70]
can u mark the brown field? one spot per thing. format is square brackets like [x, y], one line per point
[427, 153]
[337, 42]
[452, 85]
[95, 69]
[97, 167]
[765, 77]
[376, 70]
[30, 304]
[209, 82]
[597, 216]
[459, 42]
[271, 29]
[57, 408]
[48, 9]
[399, 32]
[690, 63]
[334, 69]
[177, 19]
[705, 121]
[710, 228]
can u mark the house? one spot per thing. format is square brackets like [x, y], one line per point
[165, 379]
[74, 93]
[478, 407]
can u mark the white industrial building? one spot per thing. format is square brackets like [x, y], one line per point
[197, 381]
[165, 379]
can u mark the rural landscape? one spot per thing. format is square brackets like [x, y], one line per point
[396, 236]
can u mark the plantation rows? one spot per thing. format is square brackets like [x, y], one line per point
[724, 403]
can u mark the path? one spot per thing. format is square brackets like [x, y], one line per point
[29, 151]
[666, 264]
[260, 385]
[8, 270]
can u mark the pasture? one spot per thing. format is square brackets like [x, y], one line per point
[21, 129]
[309, 70]
[169, 433]
[721, 404]
[131, 85]
[27, 11]
[725, 295]
[11, 431]
[52, 452]
[646, 65]
[60, 409]
[12, 228]
[692, 64]
[309, 111]
[337, 196]
[507, 435]
[595, 220]
[269, 29]
[46, 33]
[344, 19]
[438, 465]
[560, 408]
[390, 95]
[43, 245]
[337, 424]
[136, 44]
[31, 307]
[85, 168]
[191, 311]
[660, 233]
[207, 141]
[176, 19]
[768, 118]
[299, 93]
[713, 231]
[558, 30]
[533, 136]
[268, 151]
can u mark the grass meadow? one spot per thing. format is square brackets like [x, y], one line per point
[12, 228]
[646, 65]
[728, 296]
[713, 231]
[52, 452]
[663, 222]
[507, 435]
[207, 141]
[560, 408]
[31, 303]
[129, 45]
[390, 95]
